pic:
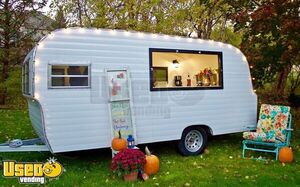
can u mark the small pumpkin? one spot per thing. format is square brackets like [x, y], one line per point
[152, 163]
[118, 143]
[286, 155]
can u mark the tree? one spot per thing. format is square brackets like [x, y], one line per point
[271, 39]
[71, 13]
[187, 18]
[15, 36]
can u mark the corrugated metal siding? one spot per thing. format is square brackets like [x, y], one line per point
[35, 114]
[77, 119]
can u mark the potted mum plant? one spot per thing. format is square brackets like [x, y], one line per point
[127, 163]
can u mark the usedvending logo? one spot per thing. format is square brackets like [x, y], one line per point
[32, 172]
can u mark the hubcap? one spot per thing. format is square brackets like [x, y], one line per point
[193, 141]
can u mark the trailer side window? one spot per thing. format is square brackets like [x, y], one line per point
[25, 78]
[69, 76]
[174, 69]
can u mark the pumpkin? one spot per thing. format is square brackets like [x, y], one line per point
[118, 143]
[152, 163]
[286, 155]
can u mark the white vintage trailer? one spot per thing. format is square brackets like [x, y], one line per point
[182, 88]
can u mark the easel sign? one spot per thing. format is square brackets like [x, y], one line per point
[120, 103]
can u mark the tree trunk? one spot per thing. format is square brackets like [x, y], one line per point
[79, 13]
[6, 53]
[281, 81]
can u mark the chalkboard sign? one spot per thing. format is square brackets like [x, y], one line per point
[121, 118]
[120, 104]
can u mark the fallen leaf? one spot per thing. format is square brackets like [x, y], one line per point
[187, 184]
[206, 151]
[247, 177]
[283, 164]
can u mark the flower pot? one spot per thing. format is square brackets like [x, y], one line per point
[131, 176]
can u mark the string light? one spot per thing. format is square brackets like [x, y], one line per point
[113, 32]
[36, 79]
[177, 38]
[67, 31]
[37, 62]
[229, 46]
[98, 31]
[253, 78]
[40, 45]
[166, 37]
[51, 36]
[81, 30]
[189, 39]
[126, 33]
[140, 34]
[251, 67]
[154, 35]
[36, 95]
[244, 59]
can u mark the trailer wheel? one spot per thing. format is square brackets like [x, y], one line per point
[193, 141]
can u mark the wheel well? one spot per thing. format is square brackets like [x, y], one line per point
[207, 129]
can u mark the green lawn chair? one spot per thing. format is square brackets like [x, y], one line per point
[273, 130]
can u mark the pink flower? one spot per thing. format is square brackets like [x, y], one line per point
[128, 159]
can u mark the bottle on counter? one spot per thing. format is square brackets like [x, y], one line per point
[189, 81]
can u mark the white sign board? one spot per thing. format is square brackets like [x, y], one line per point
[119, 103]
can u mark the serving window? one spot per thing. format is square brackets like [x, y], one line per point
[69, 76]
[172, 69]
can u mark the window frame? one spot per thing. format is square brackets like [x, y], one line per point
[50, 76]
[26, 81]
[220, 61]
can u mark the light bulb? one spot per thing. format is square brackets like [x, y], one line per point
[81, 30]
[140, 34]
[36, 79]
[67, 31]
[37, 62]
[154, 35]
[126, 33]
[98, 31]
[36, 95]
[51, 36]
[113, 32]
[40, 45]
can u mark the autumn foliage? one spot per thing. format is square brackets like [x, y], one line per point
[271, 39]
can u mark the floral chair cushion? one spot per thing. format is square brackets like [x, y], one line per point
[273, 120]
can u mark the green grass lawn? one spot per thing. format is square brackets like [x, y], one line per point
[220, 165]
